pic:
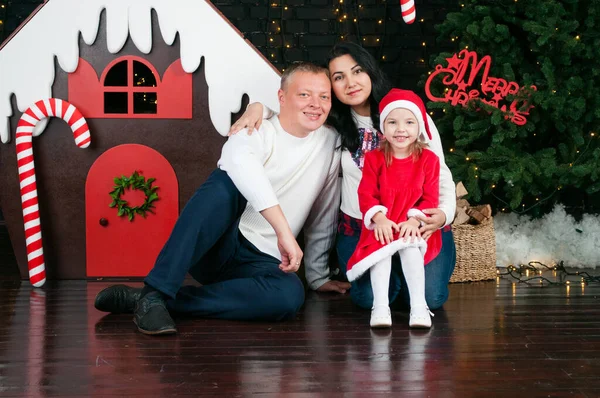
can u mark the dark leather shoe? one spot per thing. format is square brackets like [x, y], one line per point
[117, 299]
[151, 315]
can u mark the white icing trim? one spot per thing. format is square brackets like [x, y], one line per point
[203, 33]
[369, 224]
[386, 251]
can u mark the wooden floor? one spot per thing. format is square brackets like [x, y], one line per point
[493, 339]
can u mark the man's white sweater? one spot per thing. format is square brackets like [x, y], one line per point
[272, 167]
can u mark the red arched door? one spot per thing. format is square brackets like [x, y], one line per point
[115, 246]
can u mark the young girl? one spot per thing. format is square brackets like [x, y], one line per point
[399, 180]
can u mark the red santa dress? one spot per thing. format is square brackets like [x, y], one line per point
[400, 191]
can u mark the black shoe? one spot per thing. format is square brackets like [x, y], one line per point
[151, 315]
[118, 299]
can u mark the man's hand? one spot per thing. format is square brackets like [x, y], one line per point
[291, 254]
[435, 221]
[334, 286]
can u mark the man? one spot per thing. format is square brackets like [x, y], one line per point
[237, 234]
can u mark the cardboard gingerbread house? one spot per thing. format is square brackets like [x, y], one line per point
[158, 83]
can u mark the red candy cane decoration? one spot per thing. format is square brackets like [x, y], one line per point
[29, 197]
[409, 12]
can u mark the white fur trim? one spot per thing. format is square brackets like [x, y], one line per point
[416, 212]
[411, 106]
[386, 251]
[369, 224]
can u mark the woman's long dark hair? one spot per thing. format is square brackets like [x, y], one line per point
[340, 116]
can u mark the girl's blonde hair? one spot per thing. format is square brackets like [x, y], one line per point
[416, 149]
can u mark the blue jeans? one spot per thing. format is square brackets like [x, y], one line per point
[238, 280]
[437, 274]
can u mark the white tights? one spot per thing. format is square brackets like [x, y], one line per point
[414, 273]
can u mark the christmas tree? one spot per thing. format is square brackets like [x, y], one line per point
[545, 148]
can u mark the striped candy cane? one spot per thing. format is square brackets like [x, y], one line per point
[29, 197]
[408, 10]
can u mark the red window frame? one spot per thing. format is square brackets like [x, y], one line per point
[130, 89]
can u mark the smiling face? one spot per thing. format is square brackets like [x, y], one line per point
[401, 130]
[305, 102]
[351, 83]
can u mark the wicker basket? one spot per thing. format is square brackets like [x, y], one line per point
[475, 252]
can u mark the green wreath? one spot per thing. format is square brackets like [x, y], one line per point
[135, 181]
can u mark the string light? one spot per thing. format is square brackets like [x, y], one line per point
[558, 271]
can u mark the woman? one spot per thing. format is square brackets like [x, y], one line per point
[358, 84]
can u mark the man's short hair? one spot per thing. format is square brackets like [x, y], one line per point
[301, 67]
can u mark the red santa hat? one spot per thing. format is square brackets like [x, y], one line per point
[406, 99]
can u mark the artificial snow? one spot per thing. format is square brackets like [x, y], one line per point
[232, 66]
[552, 238]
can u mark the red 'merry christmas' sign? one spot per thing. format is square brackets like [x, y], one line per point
[492, 90]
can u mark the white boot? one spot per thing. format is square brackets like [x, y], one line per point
[381, 317]
[420, 317]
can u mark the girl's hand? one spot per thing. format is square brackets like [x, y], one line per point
[384, 228]
[252, 119]
[410, 229]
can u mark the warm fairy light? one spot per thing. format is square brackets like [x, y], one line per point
[451, 149]
[424, 44]
[380, 21]
[287, 45]
[354, 19]
[342, 37]
[431, 113]
[285, 8]
[422, 20]
[345, 16]
[452, 39]
[467, 159]
[271, 39]
[377, 39]
[383, 57]
[494, 186]
[592, 134]
[577, 37]
[476, 168]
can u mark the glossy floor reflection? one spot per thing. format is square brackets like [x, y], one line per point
[493, 339]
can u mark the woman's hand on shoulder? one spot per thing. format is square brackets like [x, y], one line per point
[251, 119]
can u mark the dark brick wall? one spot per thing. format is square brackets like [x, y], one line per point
[292, 30]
